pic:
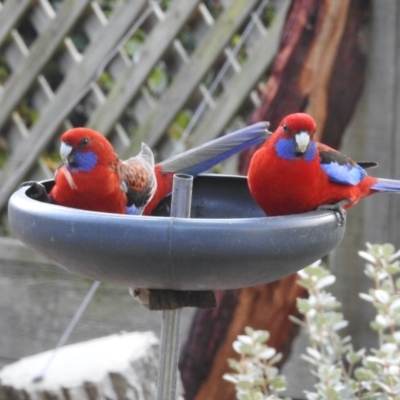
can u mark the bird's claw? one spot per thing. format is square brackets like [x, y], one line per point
[37, 191]
[338, 209]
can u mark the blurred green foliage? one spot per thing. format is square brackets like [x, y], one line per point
[158, 79]
[187, 39]
[107, 6]
[4, 70]
[27, 113]
[105, 81]
[179, 124]
[52, 158]
[268, 14]
[4, 152]
[133, 46]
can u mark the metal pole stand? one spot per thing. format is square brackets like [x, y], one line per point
[169, 354]
[181, 202]
[171, 301]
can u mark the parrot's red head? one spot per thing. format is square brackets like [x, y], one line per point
[299, 122]
[83, 149]
[295, 137]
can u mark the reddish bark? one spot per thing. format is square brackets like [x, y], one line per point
[206, 335]
[347, 80]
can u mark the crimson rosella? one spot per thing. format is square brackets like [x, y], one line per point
[291, 173]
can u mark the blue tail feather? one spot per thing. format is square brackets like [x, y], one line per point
[211, 162]
[206, 156]
[386, 185]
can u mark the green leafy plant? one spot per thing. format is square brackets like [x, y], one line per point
[256, 377]
[327, 350]
[380, 371]
[342, 372]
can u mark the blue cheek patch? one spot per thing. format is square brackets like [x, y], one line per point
[84, 161]
[133, 210]
[286, 148]
[344, 174]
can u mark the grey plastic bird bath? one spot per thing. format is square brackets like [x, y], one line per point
[227, 243]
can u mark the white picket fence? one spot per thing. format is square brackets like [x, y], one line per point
[171, 73]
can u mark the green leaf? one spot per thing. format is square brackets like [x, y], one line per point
[235, 364]
[353, 357]
[279, 383]
[297, 321]
[276, 359]
[395, 305]
[242, 348]
[245, 339]
[366, 297]
[249, 330]
[303, 305]
[325, 281]
[267, 353]
[375, 326]
[260, 336]
[381, 295]
[332, 394]
[317, 271]
[393, 269]
[387, 249]
[362, 374]
[245, 383]
[230, 378]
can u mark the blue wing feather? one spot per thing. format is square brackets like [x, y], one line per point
[206, 156]
[346, 174]
[340, 168]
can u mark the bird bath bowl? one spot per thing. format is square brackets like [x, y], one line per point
[227, 243]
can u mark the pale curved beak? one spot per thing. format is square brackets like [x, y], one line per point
[65, 151]
[302, 141]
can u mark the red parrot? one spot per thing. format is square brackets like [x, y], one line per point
[291, 173]
[94, 178]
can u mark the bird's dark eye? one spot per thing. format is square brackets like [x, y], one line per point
[285, 128]
[83, 142]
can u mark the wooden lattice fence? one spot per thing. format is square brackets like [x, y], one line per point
[171, 73]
